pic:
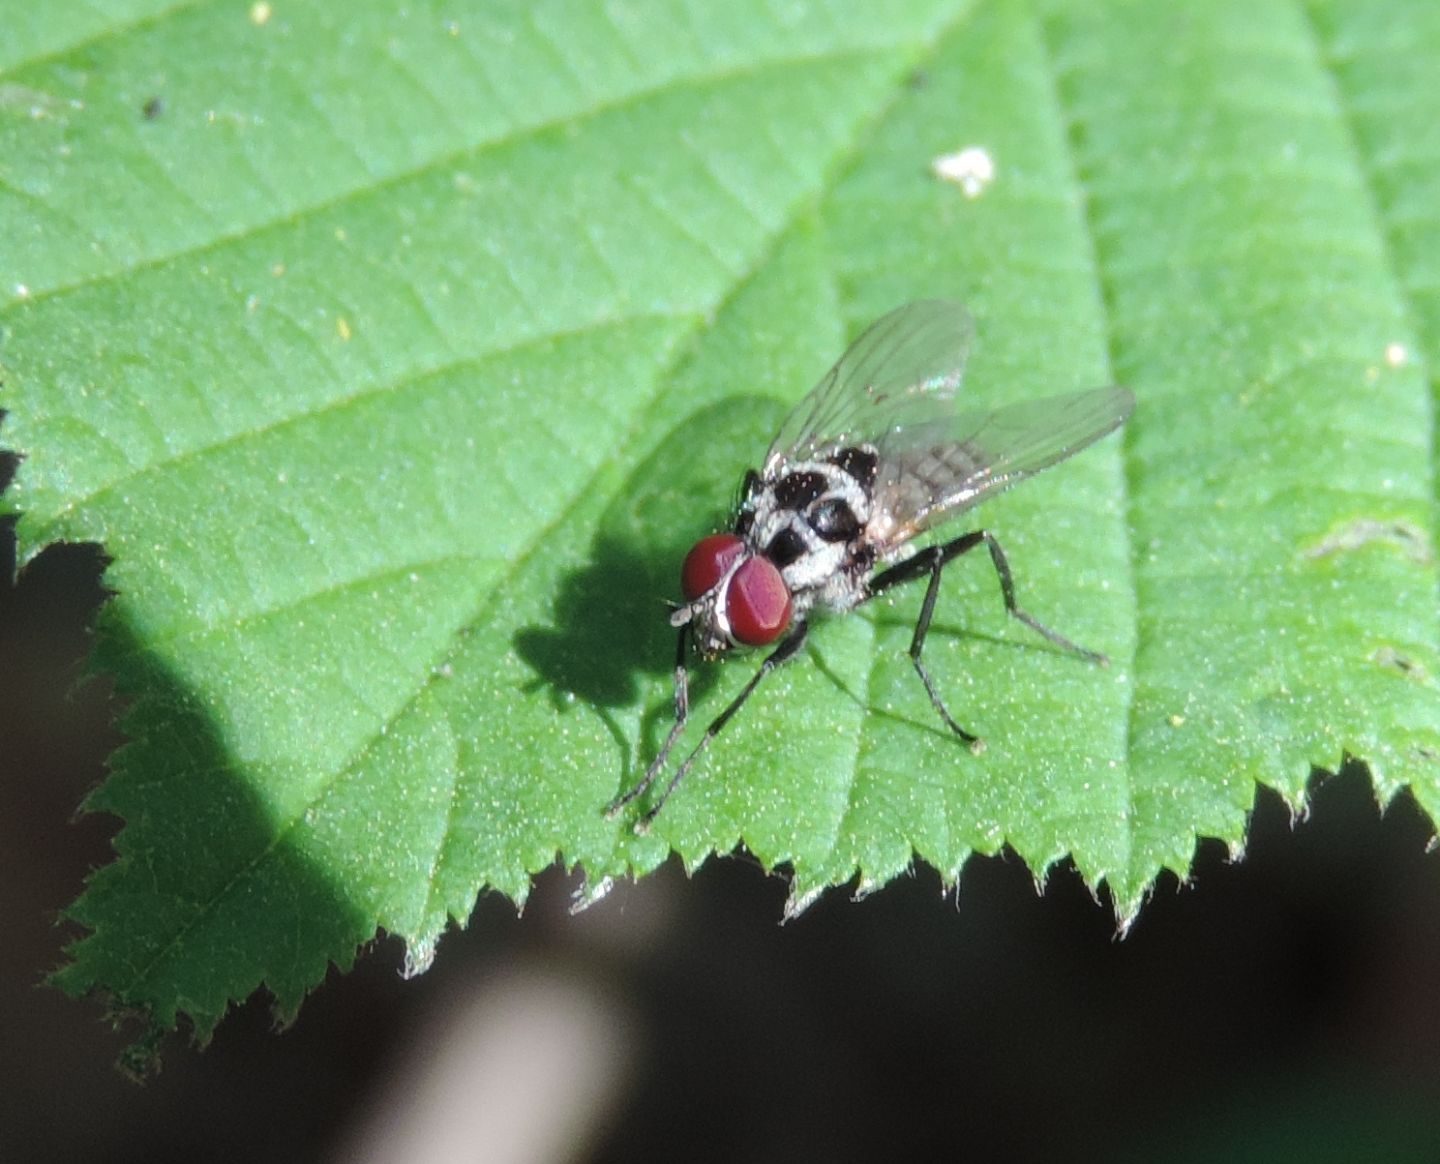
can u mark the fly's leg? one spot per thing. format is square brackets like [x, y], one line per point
[785, 651]
[1007, 590]
[933, 561]
[682, 713]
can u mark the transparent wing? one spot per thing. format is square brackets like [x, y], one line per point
[902, 372]
[935, 470]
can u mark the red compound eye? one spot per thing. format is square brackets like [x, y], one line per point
[757, 603]
[707, 563]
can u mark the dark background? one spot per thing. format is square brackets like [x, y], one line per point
[1285, 1007]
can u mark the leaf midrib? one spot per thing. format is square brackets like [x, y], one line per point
[339, 404]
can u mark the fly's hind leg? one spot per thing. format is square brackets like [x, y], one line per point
[933, 561]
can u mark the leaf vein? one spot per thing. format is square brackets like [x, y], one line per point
[467, 152]
[341, 403]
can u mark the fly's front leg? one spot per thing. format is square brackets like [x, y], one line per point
[682, 714]
[786, 650]
[933, 561]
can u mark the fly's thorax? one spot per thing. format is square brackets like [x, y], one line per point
[809, 518]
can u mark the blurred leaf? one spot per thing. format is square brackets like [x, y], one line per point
[396, 354]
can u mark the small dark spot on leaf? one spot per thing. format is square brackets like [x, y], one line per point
[1393, 660]
[1390, 657]
[153, 108]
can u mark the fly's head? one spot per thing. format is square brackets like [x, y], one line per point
[733, 598]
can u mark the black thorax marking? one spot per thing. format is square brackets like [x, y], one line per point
[809, 519]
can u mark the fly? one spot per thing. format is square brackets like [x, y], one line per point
[879, 452]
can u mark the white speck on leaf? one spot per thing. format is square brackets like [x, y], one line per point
[972, 169]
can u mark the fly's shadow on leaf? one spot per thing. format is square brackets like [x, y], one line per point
[611, 617]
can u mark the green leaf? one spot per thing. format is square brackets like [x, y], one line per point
[396, 354]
